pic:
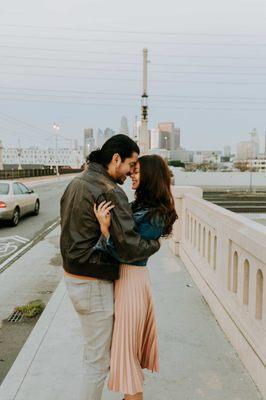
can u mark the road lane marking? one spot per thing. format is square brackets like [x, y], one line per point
[27, 246]
[21, 239]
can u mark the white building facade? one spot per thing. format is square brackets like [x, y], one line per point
[259, 165]
[207, 156]
[38, 156]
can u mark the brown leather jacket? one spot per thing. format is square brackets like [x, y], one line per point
[80, 229]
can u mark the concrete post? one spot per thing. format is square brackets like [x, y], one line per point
[178, 193]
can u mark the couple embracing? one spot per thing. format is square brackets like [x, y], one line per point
[105, 244]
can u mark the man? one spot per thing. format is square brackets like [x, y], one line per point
[89, 273]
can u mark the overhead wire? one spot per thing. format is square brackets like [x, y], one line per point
[111, 53]
[94, 40]
[134, 80]
[171, 106]
[69, 60]
[112, 93]
[131, 31]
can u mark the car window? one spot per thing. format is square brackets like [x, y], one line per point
[16, 189]
[4, 188]
[23, 188]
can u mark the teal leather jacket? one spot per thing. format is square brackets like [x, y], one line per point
[148, 229]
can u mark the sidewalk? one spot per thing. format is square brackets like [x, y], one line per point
[196, 360]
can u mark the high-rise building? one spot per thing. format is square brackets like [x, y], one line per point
[100, 138]
[247, 150]
[155, 138]
[124, 126]
[169, 136]
[227, 151]
[255, 138]
[89, 141]
[108, 133]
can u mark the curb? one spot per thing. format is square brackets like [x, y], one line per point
[13, 381]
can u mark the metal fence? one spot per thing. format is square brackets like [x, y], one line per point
[25, 173]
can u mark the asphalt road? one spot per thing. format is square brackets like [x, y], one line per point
[12, 239]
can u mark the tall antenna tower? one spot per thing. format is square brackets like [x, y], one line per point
[144, 134]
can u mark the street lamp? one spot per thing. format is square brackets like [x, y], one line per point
[56, 128]
[19, 152]
[250, 176]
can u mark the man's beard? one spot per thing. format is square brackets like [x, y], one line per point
[121, 180]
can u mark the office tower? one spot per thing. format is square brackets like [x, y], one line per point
[247, 150]
[124, 126]
[169, 136]
[100, 138]
[89, 142]
[227, 151]
[108, 133]
[155, 132]
[255, 139]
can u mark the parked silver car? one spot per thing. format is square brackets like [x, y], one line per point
[16, 200]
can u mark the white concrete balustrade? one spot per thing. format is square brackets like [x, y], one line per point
[226, 255]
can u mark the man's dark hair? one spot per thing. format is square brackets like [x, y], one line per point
[120, 144]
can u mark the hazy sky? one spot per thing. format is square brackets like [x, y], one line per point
[79, 63]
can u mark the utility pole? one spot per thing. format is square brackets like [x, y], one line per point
[144, 133]
[56, 128]
[19, 151]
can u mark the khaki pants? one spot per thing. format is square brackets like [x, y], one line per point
[94, 304]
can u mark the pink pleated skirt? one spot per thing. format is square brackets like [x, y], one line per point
[135, 339]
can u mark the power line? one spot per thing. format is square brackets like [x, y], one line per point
[75, 60]
[71, 68]
[162, 99]
[130, 105]
[161, 55]
[4, 128]
[162, 95]
[71, 77]
[71, 51]
[132, 63]
[132, 31]
[28, 125]
[85, 40]
[71, 91]
[133, 80]
[132, 70]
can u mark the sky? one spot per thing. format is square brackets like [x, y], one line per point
[78, 63]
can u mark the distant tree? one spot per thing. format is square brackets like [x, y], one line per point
[176, 163]
[242, 166]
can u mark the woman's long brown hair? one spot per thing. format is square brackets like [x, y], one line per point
[154, 191]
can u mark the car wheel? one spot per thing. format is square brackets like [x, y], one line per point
[37, 208]
[15, 218]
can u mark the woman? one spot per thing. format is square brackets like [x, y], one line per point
[134, 342]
